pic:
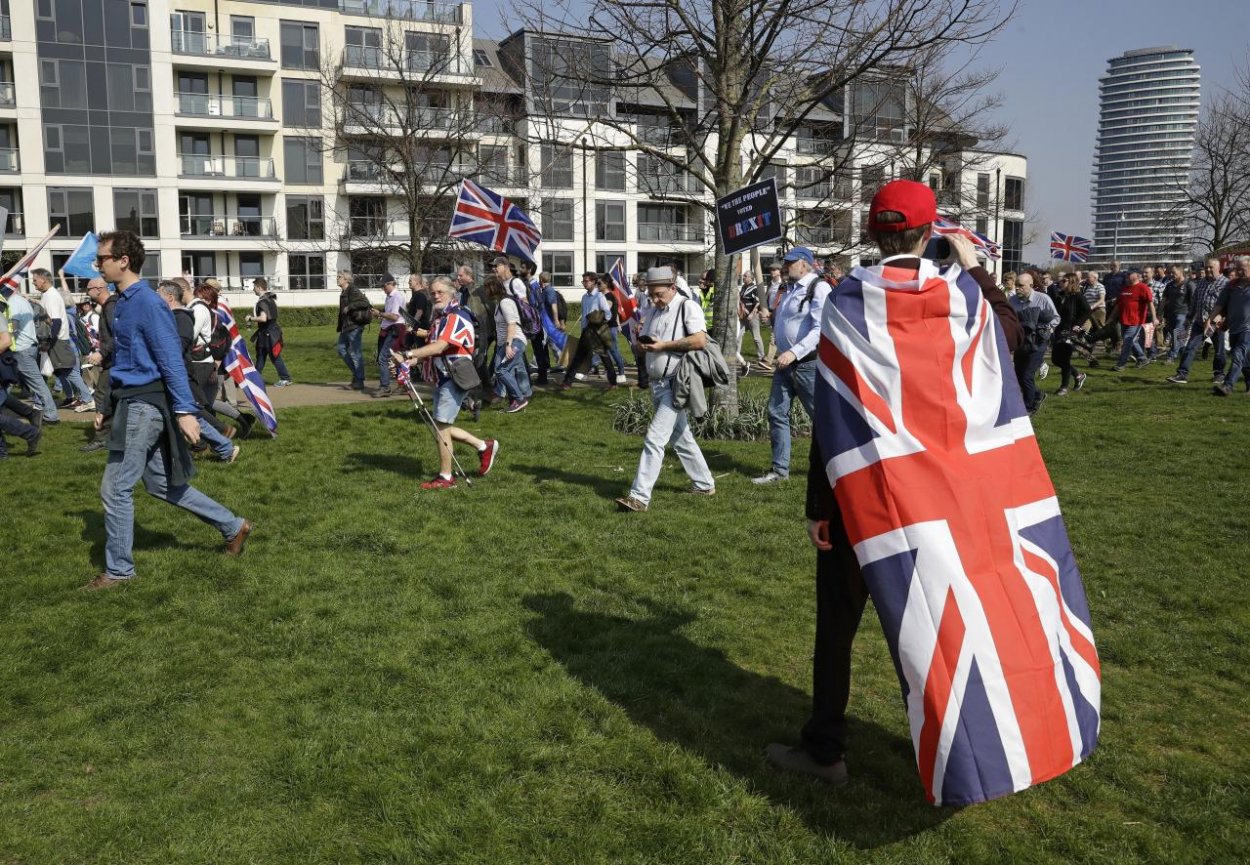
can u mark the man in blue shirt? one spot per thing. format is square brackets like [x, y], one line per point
[796, 328]
[153, 412]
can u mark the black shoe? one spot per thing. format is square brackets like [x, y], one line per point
[36, 420]
[245, 424]
[32, 445]
[92, 447]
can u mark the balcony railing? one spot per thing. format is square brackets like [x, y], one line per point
[494, 125]
[437, 63]
[405, 10]
[8, 94]
[818, 191]
[433, 119]
[364, 171]
[409, 61]
[369, 226]
[5, 33]
[816, 236]
[227, 166]
[204, 105]
[817, 146]
[212, 45]
[238, 283]
[492, 176]
[8, 160]
[201, 225]
[669, 184]
[15, 225]
[670, 232]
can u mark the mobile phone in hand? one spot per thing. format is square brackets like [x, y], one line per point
[647, 339]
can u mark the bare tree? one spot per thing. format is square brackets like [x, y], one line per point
[1216, 200]
[727, 85]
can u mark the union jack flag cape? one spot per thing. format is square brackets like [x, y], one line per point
[980, 241]
[484, 216]
[955, 524]
[239, 364]
[1069, 247]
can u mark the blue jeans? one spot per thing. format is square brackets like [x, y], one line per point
[1240, 344]
[221, 445]
[278, 363]
[353, 354]
[1131, 344]
[144, 458]
[73, 385]
[1178, 327]
[1196, 338]
[386, 339]
[798, 379]
[512, 374]
[669, 426]
[1027, 362]
[28, 369]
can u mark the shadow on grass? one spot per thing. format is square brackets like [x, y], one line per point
[93, 533]
[698, 699]
[405, 466]
[605, 485]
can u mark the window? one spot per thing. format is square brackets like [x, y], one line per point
[610, 170]
[778, 171]
[561, 264]
[481, 58]
[609, 220]
[302, 158]
[73, 207]
[138, 13]
[983, 190]
[135, 210]
[605, 260]
[1013, 193]
[251, 265]
[242, 30]
[983, 226]
[879, 109]
[300, 45]
[306, 271]
[557, 166]
[557, 219]
[872, 178]
[301, 103]
[305, 217]
[143, 142]
[364, 47]
[1013, 244]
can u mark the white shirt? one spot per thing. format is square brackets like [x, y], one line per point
[681, 318]
[54, 306]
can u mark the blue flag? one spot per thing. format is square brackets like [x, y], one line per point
[82, 262]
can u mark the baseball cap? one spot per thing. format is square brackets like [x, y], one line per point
[915, 201]
[389, 277]
[660, 276]
[800, 253]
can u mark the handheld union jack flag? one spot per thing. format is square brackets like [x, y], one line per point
[956, 527]
[1069, 247]
[980, 241]
[239, 364]
[486, 217]
[12, 280]
[625, 297]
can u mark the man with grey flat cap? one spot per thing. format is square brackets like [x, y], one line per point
[796, 329]
[672, 326]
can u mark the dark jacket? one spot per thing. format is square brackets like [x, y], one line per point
[351, 300]
[1073, 311]
[106, 331]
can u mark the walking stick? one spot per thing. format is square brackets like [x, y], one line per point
[403, 376]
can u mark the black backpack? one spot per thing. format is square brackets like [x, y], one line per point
[43, 326]
[219, 340]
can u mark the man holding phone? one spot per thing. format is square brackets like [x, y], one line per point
[672, 326]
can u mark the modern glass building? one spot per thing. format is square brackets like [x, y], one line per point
[1148, 114]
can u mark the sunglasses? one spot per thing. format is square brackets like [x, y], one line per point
[100, 259]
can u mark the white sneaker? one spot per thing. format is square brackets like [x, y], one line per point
[84, 407]
[283, 382]
[1043, 370]
[768, 477]
[579, 376]
[620, 379]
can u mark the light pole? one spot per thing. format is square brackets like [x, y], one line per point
[585, 213]
[1115, 236]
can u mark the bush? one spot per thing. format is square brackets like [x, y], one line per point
[308, 316]
[633, 415]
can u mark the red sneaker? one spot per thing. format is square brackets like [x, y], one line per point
[439, 483]
[488, 456]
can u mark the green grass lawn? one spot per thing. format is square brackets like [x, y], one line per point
[517, 673]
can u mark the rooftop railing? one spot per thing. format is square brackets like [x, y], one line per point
[404, 10]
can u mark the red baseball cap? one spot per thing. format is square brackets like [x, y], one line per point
[914, 200]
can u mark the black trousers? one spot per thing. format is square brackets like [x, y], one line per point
[586, 346]
[840, 599]
[542, 360]
[1061, 356]
[11, 408]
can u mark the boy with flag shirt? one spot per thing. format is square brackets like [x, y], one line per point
[451, 342]
[926, 489]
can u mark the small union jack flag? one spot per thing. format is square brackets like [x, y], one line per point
[957, 530]
[239, 364]
[947, 226]
[1069, 247]
[14, 278]
[486, 217]
[625, 298]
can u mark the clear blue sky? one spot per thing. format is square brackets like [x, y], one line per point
[1051, 55]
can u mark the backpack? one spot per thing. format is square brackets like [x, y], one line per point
[531, 324]
[219, 340]
[43, 326]
[78, 333]
[562, 307]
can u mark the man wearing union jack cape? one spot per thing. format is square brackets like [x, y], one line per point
[927, 493]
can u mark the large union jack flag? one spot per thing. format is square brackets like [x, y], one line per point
[945, 225]
[486, 217]
[957, 530]
[1069, 247]
[238, 364]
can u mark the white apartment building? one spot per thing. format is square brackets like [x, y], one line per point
[221, 131]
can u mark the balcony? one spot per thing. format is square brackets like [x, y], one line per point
[209, 45]
[373, 227]
[676, 183]
[15, 225]
[669, 232]
[817, 236]
[234, 227]
[9, 163]
[6, 34]
[373, 63]
[213, 167]
[817, 146]
[372, 119]
[493, 176]
[817, 191]
[240, 284]
[8, 95]
[240, 107]
[404, 10]
[494, 125]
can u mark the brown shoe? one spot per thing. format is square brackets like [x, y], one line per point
[102, 581]
[629, 503]
[234, 546]
[797, 761]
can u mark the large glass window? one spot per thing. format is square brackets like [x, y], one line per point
[73, 208]
[610, 170]
[1013, 244]
[557, 166]
[561, 264]
[306, 270]
[301, 45]
[557, 218]
[879, 109]
[305, 217]
[609, 220]
[301, 103]
[1013, 193]
[302, 160]
[135, 210]
[983, 190]
[364, 47]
